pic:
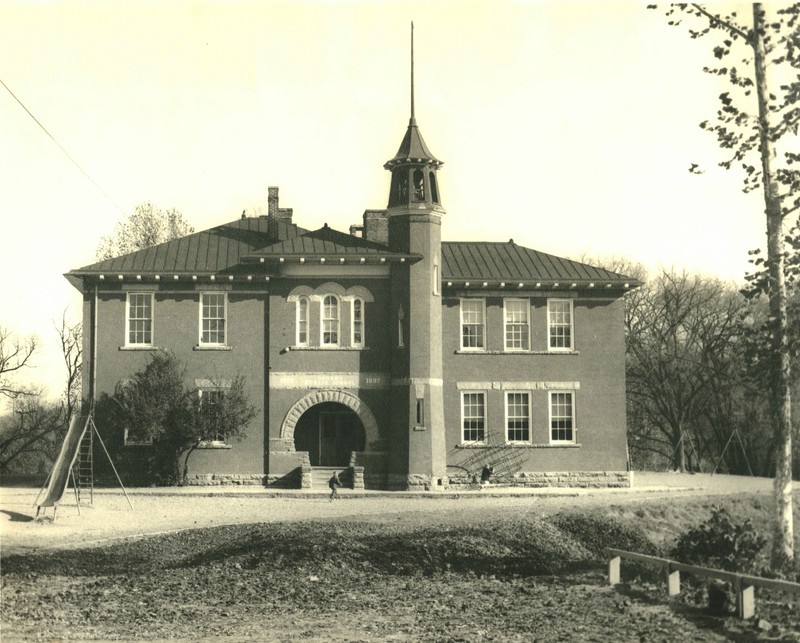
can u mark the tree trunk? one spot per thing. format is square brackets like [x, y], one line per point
[783, 539]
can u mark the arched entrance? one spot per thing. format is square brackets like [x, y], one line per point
[329, 432]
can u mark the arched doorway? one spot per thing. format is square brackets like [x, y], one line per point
[329, 432]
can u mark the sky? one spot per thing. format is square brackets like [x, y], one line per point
[567, 126]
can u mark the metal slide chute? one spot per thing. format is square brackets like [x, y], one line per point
[56, 484]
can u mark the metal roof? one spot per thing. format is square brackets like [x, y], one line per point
[212, 250]
[412, 148]
[325, 242]
[464, 260]
[226, 247]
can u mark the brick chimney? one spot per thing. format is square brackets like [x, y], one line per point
[376, 226]
[276, 213]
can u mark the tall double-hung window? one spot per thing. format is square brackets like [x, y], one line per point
[213, 313]
[139, 318]
[518, 417]
[560, 325]
[358, 323]
[517, 324]
[211, 401]
[562, 416]
[330, 321]
[473, 416]
[302, 321]
[473, 324]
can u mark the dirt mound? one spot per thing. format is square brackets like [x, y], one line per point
[447, 580]
[524, 547]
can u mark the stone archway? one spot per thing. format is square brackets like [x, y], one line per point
[340, 397]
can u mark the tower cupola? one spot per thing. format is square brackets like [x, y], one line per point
[414, 184]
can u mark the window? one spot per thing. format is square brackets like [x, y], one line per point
[210, 408]
[473, 414]
[212, 318]
[401, 315]
[358, 322]
[472, 324]
[134, 439]
[302, 321]
[399, 189]
[517, 324]
[420, 412]
[434, 188]
[559, 324]
[140, 319]
[518, 417]
[330, 321]
[419, 186]
[562, 417]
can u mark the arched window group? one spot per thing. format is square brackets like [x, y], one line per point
[333, 314]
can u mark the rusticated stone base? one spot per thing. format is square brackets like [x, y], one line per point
[217, 479]
[579, 479]
[358, 477]
[415, 482]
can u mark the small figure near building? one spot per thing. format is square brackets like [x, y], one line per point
[486, 474]
[334, 483]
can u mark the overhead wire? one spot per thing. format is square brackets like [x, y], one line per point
[62, 148]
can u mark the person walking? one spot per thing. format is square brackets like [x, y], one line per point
[334, 483]
[486, 474]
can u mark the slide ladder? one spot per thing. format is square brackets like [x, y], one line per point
[83, 470]
[505, 459]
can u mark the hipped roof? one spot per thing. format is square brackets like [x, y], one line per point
[234, 246]
[482, 260]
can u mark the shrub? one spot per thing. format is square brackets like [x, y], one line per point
[721, 544]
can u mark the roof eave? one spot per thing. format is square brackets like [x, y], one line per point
[353, 258]
[511, 284]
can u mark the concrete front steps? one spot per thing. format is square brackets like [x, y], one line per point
[321, 475]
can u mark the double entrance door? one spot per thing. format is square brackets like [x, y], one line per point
[329, 432]
[336, 433]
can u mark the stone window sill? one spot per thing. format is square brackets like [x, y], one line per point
[461, 351]
[200, 347]
[517, 445]
[328, 348]
[212, 445]
[143, 347]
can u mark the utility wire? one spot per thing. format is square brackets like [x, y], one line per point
[61, 147]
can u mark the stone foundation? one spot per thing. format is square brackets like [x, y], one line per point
[414, 482]
[579, 479]
[217, 479]
[358, 477]
[301, 477]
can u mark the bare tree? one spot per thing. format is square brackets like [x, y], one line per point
[30, 436]
[15, 354]
[147, 226]
[71, 339]
[681, 333]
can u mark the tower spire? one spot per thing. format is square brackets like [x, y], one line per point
[412, 71]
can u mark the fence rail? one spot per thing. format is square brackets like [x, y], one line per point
[744, 584]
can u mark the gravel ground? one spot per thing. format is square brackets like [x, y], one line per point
[242, 565]
[162, 510]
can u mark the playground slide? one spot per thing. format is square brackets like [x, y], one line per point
[59, 476]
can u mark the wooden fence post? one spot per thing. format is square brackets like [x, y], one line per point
[745, 599]
[614, 570]
[673, 581]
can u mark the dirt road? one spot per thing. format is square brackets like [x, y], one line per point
[165, 510]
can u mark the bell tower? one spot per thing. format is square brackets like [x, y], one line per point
[415, 217]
